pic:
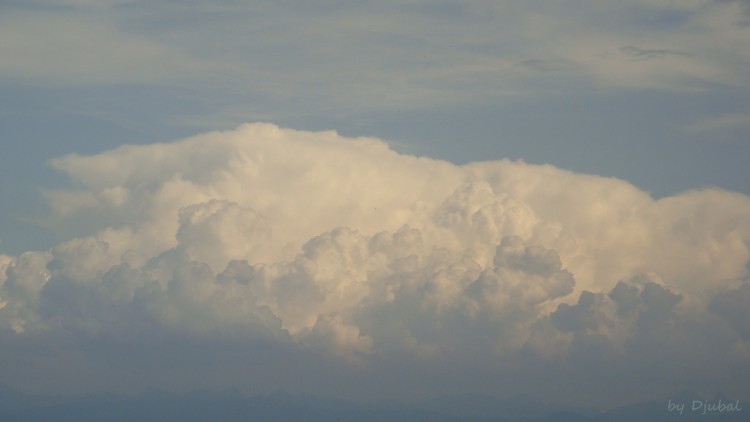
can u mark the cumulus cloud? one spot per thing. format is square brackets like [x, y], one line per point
[316, 255]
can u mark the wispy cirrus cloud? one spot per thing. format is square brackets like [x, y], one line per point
[642, 54]
[364, 55]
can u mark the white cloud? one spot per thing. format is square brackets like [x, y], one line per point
[353, 256]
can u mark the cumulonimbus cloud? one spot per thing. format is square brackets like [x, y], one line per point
[343, 252]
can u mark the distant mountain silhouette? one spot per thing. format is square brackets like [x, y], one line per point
[283, 406]
[511, 409]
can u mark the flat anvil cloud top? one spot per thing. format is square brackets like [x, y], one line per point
[263, 258]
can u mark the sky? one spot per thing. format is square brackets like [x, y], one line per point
[376, 199]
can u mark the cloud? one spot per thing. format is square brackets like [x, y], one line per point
[641, 54]
[693, 45]
[372, 56]
[721, 122]
[337, 261]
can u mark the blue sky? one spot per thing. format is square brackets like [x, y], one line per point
[631, 119]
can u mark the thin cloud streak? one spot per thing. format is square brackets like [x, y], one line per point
[376, 57]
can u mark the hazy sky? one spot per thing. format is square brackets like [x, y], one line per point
[317, 246]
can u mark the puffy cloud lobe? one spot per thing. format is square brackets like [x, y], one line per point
[25, 276]
[217, 231]
[579, 317]
[342, 249]
[636, 307]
